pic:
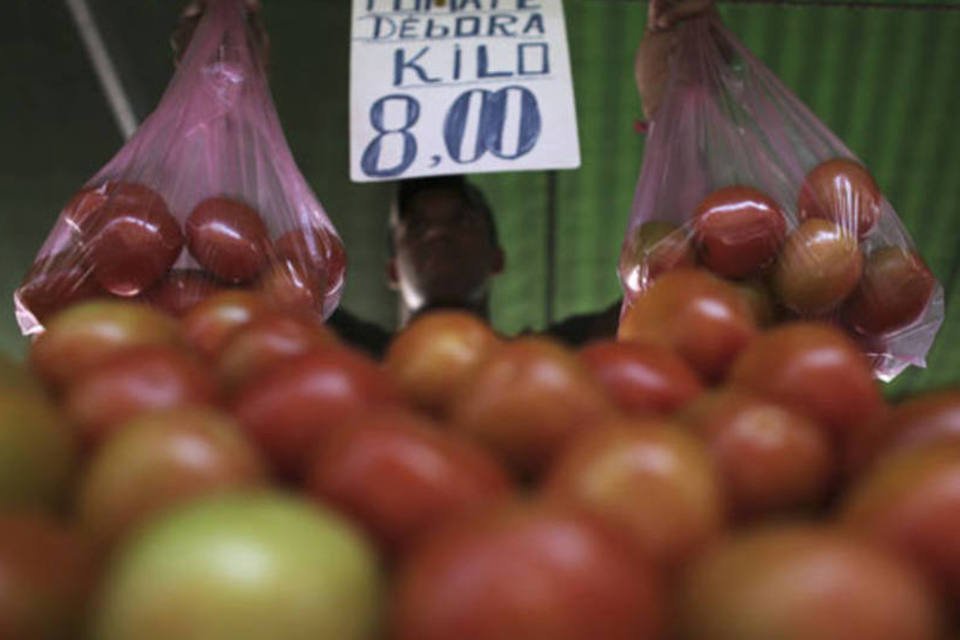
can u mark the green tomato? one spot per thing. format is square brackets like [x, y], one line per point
[246, 566]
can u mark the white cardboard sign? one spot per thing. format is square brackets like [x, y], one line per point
[459, 86]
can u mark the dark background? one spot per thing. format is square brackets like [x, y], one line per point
[884, 76]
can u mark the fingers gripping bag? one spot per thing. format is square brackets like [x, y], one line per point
[204, 196]
[742, 179]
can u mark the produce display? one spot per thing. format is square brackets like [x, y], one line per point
[741, 178]
[204, 197]
[241, 473]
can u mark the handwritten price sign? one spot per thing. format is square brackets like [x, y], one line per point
[459, 86]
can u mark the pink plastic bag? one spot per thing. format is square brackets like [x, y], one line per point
[741, 178]
[204, 196]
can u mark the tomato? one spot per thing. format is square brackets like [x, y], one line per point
[738, 230]
[38, 452]
[266, 340]
[133, 382]
[228, 239]
[803, 581]
[895, 290]
[432, 356]
[642, 378]
[659, 247]
[844, 192]
[48, 573]
[526, 400]
[929, 418]
[398, 476]
[182, 290]
[815, 370]
[760, 300]
[770, 458]
[819, 267]
[57, 282]
[314, 251]
[208, 325]
[701, 317]
[294, 288]
[133, 238]
[910, 502]
[256, 566]
[85, 335]
[648, 479]
[531, 572]
[158, 460]
[292, 406]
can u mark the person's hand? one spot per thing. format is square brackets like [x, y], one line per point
[652, 62]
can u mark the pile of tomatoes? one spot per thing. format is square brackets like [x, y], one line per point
[829, 255]
[237, 472]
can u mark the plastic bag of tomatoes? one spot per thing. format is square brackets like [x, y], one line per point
[741, 178]
[205, 196]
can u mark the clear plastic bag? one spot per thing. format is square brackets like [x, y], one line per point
[204, 196]
[741, 178]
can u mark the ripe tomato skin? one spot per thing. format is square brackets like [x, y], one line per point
[159, 460]
[771, 459]
[228, 238]
[844, 192]
[181, 290]
[290, 408]
[526, 400]
[398, 476]
[705, 320]
[85, 335]
[48, 574]
[910, 503]
[819, 267]
[649, 479]
[132, 382]
[642, 378]
[266, 340]
[738, 230]
[208, 325]
[38, 452]
[815, 370]
[803, 582]
[526, 571]
[659, 247]
[432, 356]
[57, 282]
[314, 251]
[895, 290]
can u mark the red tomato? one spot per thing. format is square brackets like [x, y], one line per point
[929, 418]
[48, 575]
[132, 382]
[738, 230]
[526, 400]
[895, 290]
[432, 356]
[87, 334]
[641, 377]
[266, 340]
[292, 406]
[815, 370]
[57, 282]
[648, 479]
[770, 458]
[132, 237]
[228, 239]
[820, 266]
[314, 251]
[844, 192]
[910, 502]
[531, 572]
[208, 325]
[182, 290]
[158, 460]
[659, 247]
[293, 287]
[760, 300]
[703, 318]
[398, 475]
[801, 581]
